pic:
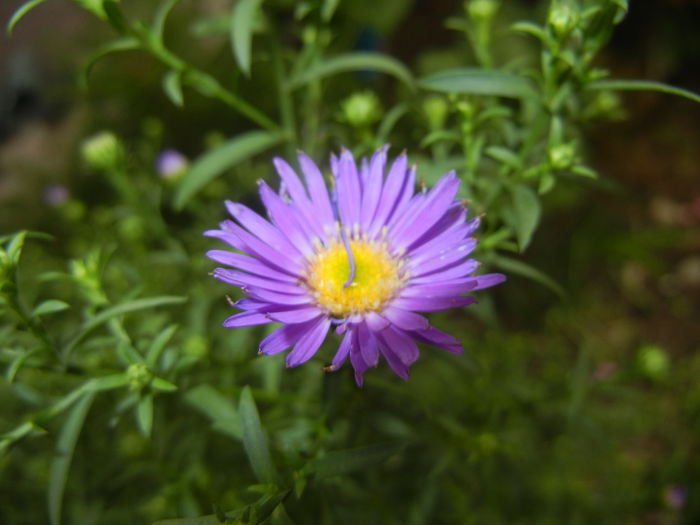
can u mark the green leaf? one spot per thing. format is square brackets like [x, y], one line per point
[49, 307]
[345, 461]
[530, 28]
[9, 438]
[354, 62]
[505, 156]
[476, 81]
[527, 211]
[517, 267]
[201, 520]
[144, 414]
[158, 383]
[109, 382]
[158, 25]
[20, 12]
[121, 44]
[214, 162]
[17, 363]
[67, 438]
[643, 85]
[158, 345]
[218, 408]
[14, 247]
[255, 441]
[121, 309]
[114, 15]
[439, 135]
[389, 121]
[172, 85]
[241, 35]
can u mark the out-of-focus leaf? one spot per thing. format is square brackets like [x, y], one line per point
[67, 438]
[158, 383]
[109, 382]
[201, 520]
[17, 363]
[354, 62]
[476, 81]
[527, 210]
[643, 85]
[255, 441]
[144, 414]
[242, 19]
[514, 266]
[20, 12]
[9, 438]
[14, 247]
[121, 44]
[214, 162]
[218, 408]
[114, 15]
[121, 309]
[49, 307]
[530, 28]
[172, 85]
[506, 156]
[344, 461]
[158, 345]
[158, 25]
[439, 135]
[389, 121]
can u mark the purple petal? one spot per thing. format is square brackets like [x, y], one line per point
[250, 264]
[283, 338]
[395, 362]
[246, 319]
[349, 195]
[375, 322]
[317, 191]
[412, 227]
[372, 187]
[296, 315]
[343, 350]
[268, 296]
[455, 271]
[242, 279]
[250, 244]
[438, 339]
[440, 259]
[286, 219]
[453, 220]
[259, 227]
[309, 343]
[404, 319]
[368, 345]
[442, 289]
[488, 280]
[291, 182]
[358, 363]
[391, 191]
[401, 344]
[433, 304]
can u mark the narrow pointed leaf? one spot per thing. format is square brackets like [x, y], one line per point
[58, 472]
[213, 163]
[49, 307]
[242, 20]
[354, 62]
[527, 210]
[172, 85]
[517, 267]
[475, 81]
[218, 408]
[644, 85]
[20, 12]
[255, 441]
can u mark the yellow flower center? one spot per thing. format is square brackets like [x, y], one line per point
[378, 276]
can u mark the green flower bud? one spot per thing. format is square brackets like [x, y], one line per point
[435, 109]
[653, 361]
[561, 157]
[139, 376]
[562, 18]
[481, 9]
[361, 109]
[102, 151]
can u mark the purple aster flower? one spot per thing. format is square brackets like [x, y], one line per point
[170, 163]
[366, 259]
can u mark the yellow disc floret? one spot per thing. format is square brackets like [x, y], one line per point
[378, 276]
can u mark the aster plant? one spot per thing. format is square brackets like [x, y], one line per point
[366, 258]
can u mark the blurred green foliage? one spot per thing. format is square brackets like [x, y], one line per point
[123, 398]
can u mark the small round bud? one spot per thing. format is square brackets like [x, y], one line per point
[562, 18]
[562, 157]
[361, 109]
[171, 164]
[102, 151]
[653, 361]
[435, 109]
[481, 9]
